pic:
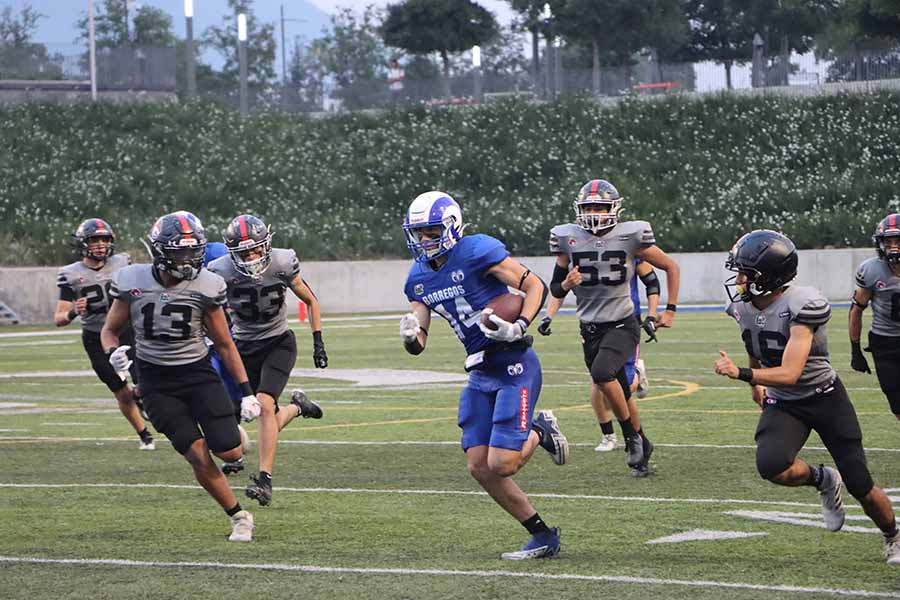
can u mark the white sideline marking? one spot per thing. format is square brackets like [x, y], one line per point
[792, 519]
[62, 424]
[40, 343]
[315, 490]
[448, 573]
[695, 535]
[17, 404]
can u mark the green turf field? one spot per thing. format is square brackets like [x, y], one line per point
[374, 500]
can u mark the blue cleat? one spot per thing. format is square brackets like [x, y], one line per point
[551, 438]
[542, 545]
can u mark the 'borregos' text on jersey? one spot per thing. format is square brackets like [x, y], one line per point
[461, 287]
[257, 304]
[78, 280]
[766, 333]
[606, 263]
[875, 275]
[168, 321]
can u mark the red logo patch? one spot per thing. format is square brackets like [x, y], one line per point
[523, 409]
[135, 292]
[572, 242]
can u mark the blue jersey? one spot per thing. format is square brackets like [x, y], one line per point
[634, 291]
[461, 288]
[214, 250]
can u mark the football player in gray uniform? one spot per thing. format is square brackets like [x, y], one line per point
[258, 276]
[595, 257]
[784, 331]
[172, 305]
[878, 283]
[83, 292]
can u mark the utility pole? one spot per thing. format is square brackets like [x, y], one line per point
[189, 49]
[242, 60]
[92, 41]
[283, 45]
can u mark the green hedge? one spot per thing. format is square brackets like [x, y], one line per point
[823, 170]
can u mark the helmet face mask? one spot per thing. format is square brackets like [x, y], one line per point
[438, 212]
[597, 194]
[888, 229]
[763, 261]
[177, 245]
[249, 242]
[87, 236]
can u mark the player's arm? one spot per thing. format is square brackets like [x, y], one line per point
[309, 298]
[414, 327]
[116, 319]
[65, 313]
[661, 260]
[861, 299]
[651, 284]
[515, 275]
[757, 392]
[216, 326]
[788, 373]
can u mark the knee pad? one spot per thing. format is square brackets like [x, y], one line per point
[183, 439]
[602, 372]
[770, 463]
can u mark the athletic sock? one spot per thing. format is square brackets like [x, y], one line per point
[640, 432]
[606, 427]
[234, 510]
[815, 476]
[145, 435]
[627, 428]
[265, 478]
[535, 525]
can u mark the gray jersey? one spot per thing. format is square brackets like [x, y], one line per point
[766, 332]
[607, 266]
[257, 305]
[78, 280]
[168, 321]
[875, 275]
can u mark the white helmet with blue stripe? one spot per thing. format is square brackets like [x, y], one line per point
[432, 209]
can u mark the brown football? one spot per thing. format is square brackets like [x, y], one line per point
[506, 306]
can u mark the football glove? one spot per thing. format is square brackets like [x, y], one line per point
[649, 325]
[858, 360]
[250, 408]
[409, 327]
[505, 332]
[544, 327]
[119, 360]
[319, 357]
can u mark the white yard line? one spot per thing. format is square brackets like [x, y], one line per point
[626, 579]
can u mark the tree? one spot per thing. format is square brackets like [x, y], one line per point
[354, 55]
[152, 28]
[20, 57]
[721, 31]
[260, 45]
[425, 26]
[617, 29]
[306, 73]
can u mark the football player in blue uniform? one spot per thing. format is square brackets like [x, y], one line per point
[457, 277]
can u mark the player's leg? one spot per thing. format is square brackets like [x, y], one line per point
[602, 410]
[886, 357]
[234, 394]
[630, 377]
[300, 406]
[119, 387]
[837, 425]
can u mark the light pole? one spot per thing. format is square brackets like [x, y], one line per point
[92, 41]
[283, 59]
[476, 64]
[551, 62]
[242, 60]
[189, 49]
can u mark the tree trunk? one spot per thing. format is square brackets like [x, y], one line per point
[445, 79]
[728, 65]
[535, 59]
[595, 67]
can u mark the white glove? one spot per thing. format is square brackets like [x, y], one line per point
[250, 408]
[409, 327]
[119, 359]
[505, 332]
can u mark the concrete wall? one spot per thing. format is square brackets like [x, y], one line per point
[371, 286]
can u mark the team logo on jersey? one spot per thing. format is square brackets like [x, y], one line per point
[784, 314]
[135, 292]
[457, 276]
[880, 285]
[419, 289]
[761, 320]
[165, 297]
[81, 280]
[601, 244]
[235, 280]
[572, 242]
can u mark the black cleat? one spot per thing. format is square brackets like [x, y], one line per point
[308, 408]
[634, 450]
[643, 469]
[260, 490]
[230, 468]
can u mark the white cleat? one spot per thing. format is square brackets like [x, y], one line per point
[892, 549]
[608, 443]
[147, 446]
[643, 386]
[830, 497]
[241, 527]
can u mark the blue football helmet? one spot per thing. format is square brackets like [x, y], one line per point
[433, 209]
[177, 244]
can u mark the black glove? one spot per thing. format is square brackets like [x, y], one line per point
[649, 325]
[544, 327]
[858, 359]
[319, 356]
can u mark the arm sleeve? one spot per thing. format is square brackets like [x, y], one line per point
[66, 291]
[291, 269]
[865, 276]
[220, 296]
[646, 236]
[815, 312]
[117, 289]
